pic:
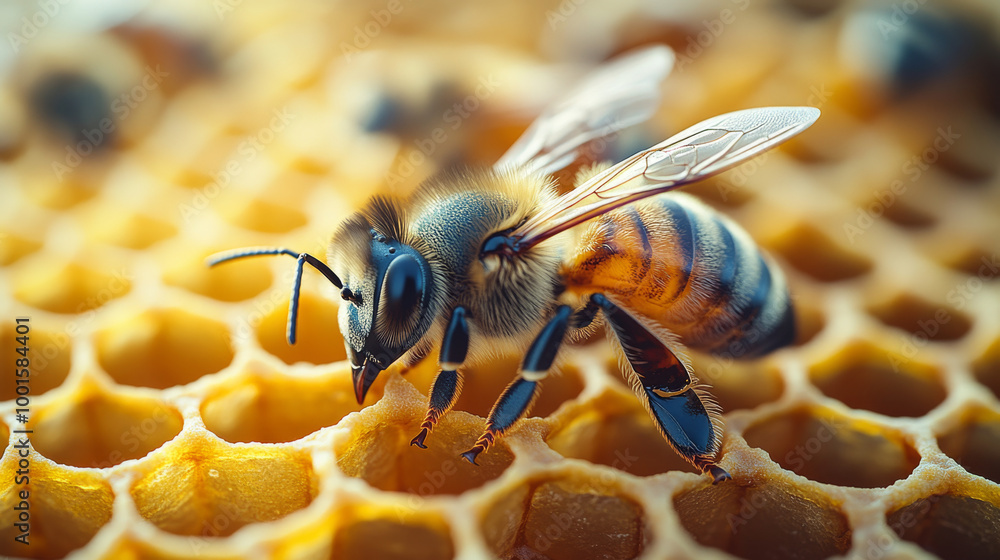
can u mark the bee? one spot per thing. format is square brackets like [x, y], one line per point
[481, 262]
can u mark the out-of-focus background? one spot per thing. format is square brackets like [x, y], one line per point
[137, 137]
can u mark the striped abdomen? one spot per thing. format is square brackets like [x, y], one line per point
[680, 263]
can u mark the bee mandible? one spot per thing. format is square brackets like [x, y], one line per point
[482, 262]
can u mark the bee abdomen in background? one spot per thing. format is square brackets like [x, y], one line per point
[692, 270]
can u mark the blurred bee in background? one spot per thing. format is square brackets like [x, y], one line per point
[490, 261]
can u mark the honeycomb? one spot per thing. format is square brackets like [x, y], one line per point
[168, 418]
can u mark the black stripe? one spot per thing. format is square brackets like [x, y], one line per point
[750, 313]
[730, 262]
[779, 336]
[647, 249]
[684, 236]
[721, 326]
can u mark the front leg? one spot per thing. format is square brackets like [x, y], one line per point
[685, 414]
[447, 385]
[518, 396]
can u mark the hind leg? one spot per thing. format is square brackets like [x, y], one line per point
[685, 414]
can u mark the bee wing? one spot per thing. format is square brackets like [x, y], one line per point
[619, 94]
[707, 148]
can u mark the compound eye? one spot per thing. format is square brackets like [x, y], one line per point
[402, 290]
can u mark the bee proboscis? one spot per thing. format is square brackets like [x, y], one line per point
[479, 262]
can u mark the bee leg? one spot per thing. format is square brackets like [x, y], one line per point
[687, 416]
[448, 383]
[518, 396]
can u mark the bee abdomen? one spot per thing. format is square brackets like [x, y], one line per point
[694, 271]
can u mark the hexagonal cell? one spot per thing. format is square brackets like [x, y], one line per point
[68, 287]
[565, 518]
[905, 214]
[986, 368]
[233, 281]
[65, 193]
[614, 430]
[125, 228]
[269, 407]
[201, 487]
[49, 354]
[161, 348]
[379, 451]
[922, 319]
[809, 321]
[975, 443]
[95, 428]
[261, 215]
[950, 526]
[132, 546]
[764, 519]
[738, 384]
[14, 246]
[318, 332]
[65, 507]
[824, 446]
[969, 258]
[365, 532]
[204, 169]
[812, 252]
[973, 159]
[867, 377]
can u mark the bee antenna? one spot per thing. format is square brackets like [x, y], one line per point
[300, 258]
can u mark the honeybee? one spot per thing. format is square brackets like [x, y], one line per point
[481, 262]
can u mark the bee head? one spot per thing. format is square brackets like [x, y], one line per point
[388, 287]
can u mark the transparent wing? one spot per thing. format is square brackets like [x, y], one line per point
[707, 148]
[624, 92]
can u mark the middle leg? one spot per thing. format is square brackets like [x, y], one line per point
[517, 398]
[448, 383]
